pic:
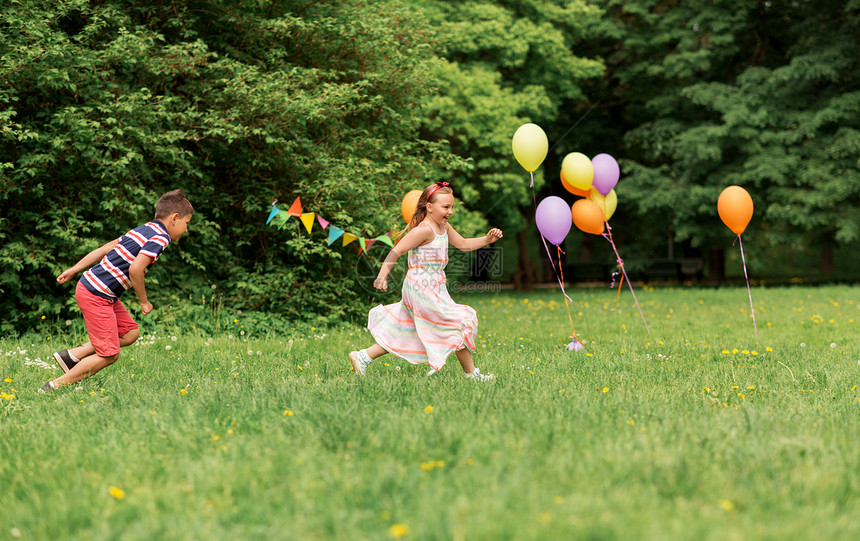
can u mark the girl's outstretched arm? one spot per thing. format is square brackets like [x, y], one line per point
[420, 235]
[467, 245]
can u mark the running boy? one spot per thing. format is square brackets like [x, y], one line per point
[118, 265]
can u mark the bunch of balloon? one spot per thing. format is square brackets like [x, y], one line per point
[735, 207]
[530, 147]
[553, 220]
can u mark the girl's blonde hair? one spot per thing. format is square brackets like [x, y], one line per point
[426, 197]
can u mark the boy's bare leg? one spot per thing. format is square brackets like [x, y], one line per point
[84, 369]
[465, 358]
[85, 350]
[92, 363]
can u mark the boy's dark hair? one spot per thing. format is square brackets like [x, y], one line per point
[173, 201]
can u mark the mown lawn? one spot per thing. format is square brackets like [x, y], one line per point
[694, 431]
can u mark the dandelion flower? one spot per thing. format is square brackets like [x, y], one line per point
[117, 493]
[288, 412]
[727, 505]
[399, 530]
[605, 390]
[429, 409]
[832, 345]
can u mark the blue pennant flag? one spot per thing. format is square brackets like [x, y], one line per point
[334, 233]
[275, 212]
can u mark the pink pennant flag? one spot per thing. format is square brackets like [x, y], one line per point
[323, 222]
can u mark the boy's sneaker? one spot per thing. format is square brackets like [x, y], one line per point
[65, 360]
[47, 388]
[359, 359]
[478, 376]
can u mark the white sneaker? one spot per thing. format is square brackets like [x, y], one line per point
[478, 376]
[359, 359]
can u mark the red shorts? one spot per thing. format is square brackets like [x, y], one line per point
[106, 320]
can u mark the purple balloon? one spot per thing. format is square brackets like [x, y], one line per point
[553, 219]
[606, 173]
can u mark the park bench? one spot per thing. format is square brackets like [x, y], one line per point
[666, 269]
[587, 272]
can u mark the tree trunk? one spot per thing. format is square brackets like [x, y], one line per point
[524, 275]
[826, 257]
[716, 264]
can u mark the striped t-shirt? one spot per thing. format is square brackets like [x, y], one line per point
[109, 278]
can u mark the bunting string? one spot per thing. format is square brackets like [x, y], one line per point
[279, 217]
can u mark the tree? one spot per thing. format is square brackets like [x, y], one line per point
[759, 94]
[105, 105]
[503, 64]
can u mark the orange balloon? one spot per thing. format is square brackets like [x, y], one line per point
[736, 208]
[587, 216]
[573, 189]
[409, 204]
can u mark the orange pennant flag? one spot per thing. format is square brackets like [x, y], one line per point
[296, 208]
[307, 219]
[348, 237]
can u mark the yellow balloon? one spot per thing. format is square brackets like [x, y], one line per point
[607, 203]
[530, 146]
[409, 204]
[578, 170]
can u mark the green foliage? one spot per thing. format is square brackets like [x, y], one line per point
[504, 64]
[106, 105]
[763, 95]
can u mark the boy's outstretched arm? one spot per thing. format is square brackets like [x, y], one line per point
[136, 272]
[87, 261]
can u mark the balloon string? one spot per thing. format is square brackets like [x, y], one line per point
[752, 310]
[551, 262]
[566, 298]
[608, 236]
[532, 175]
[621, 283]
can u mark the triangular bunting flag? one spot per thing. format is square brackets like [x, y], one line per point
[296, 207]
[334, 233]
[323, 222]
[368, 243]
[280, 219]
[308, 219]
[361, 242]
[348, 237]
[275, 212]
[385, 239]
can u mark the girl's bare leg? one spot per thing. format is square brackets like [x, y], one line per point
[375, 351]
[465, 358]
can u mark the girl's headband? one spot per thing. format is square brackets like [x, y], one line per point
[438, 185]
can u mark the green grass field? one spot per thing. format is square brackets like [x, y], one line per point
[694, 431]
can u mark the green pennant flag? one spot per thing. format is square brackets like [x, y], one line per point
[385, 239]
